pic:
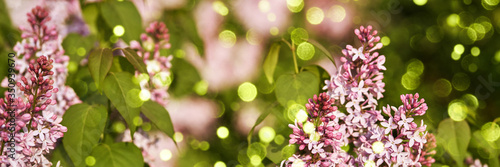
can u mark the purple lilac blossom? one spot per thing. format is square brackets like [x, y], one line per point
[158, 67]
[347, 115]
[43, 39]
[37, 126]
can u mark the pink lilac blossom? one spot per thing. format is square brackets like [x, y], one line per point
[474, 163]
[222, 65]
[43, 39]
[347, 115]
[37, 127]
[158, 67]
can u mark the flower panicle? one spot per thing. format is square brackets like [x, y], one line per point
[320, 105]
[41, 96]
[158, 67]
[393, 139]
[38, 31]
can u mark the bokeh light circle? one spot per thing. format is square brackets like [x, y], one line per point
[315, 15]
[442, 87]
[299, 35]
[460, 81]
[266, 134]
[457, 110]
[247, 91]
[227, 38]
[222, 132]
[490, 131]
[165, 154]
[410, 80]
[119, 30]
[420, 2]
[305, 51]
[90, 160]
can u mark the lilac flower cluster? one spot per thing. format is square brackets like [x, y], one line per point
[156, 82]
[474, 163]
[40, 39]
[347, 115]
[155, 38]
[37, 128]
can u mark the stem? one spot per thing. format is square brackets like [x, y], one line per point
[112, 50]
[496, 120]
[35, 97]
[292, 47]
[1, 151]
[294, 59]
[108, 122]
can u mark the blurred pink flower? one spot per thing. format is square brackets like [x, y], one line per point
[200, 113]
[66, 15]
[337, 21]
[223, 65]
[152, 10]
[262, 15]
[153, 144]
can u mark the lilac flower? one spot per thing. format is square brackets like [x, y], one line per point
[158, 67]
[40, 39]
[389, 125]
[40, 127]
[157, 79]
[474, 163]
[404, 122]
[386, 137]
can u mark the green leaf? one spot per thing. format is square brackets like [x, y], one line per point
[185, 76]
[85, 125]
[125, 65]
[117, 155]
[159, 116]
[455, 137]
[117, 87]
[323, 49]
[135, 60]
[258, 121]
[271, 61]
[60, 155]
[125, 14]
[488, 149]
[100, 61]
[296, 88]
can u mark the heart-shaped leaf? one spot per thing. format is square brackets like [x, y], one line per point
[119, 89]
[60, 155]
[135, 60]
[125, 14]
[100, 61]
[159, 116]
[117, 155]
[456, 136]
[296, 88]
[85, 125]
[271, 61]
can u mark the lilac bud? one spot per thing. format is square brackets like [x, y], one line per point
[26, 117]
[31, 98]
